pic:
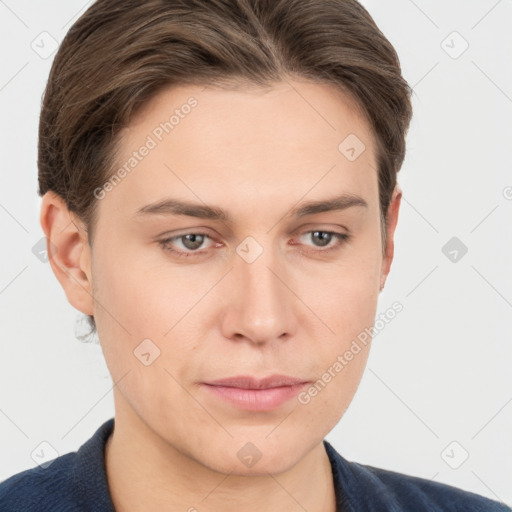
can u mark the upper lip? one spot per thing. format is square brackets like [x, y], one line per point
[248, 382]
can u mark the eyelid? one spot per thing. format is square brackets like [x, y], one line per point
[165, 243]
[341, 239]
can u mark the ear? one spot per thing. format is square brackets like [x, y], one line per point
[68, 251]
[393, 209]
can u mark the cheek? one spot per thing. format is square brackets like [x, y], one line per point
[135, 296]
[348, 307]
[346, 303]
[137, 301]
[345, 295]
[123, 314]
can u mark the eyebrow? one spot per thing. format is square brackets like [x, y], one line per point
[172, 206]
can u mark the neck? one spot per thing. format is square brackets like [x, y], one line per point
[138, 460]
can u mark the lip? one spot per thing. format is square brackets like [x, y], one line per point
[251, 394]
[249, 382]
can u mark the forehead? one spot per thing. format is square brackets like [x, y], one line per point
[207, 141]
[267, 117]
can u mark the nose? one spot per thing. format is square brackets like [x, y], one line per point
[260, 305]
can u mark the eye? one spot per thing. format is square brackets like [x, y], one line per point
[323, 238]
[190, 243]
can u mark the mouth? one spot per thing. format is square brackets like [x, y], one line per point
[252, 394]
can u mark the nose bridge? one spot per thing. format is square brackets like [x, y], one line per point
[261, 310]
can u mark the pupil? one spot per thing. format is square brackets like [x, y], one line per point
[324, 239]
[192, 241]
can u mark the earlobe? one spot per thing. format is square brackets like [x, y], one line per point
[393, 210]
[68, 251]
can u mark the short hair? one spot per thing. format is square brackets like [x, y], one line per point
[120, 53]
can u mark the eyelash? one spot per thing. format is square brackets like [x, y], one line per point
[342, 238]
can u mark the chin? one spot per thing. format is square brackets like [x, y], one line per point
[249, 460]
[274, 466]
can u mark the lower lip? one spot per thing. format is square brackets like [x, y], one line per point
[256, 399]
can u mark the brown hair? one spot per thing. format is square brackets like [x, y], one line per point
[121, 53]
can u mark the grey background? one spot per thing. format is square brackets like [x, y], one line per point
[438, 386]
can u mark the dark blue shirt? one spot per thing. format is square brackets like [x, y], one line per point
[77, 481]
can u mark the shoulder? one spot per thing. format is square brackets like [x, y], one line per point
[41, 489]
[70, 483]
[429, 495]
[364, 486]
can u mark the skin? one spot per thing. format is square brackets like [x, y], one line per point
[256, 154]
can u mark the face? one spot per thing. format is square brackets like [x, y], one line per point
[244, 241]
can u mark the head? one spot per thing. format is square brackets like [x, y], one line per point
[220, 198]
